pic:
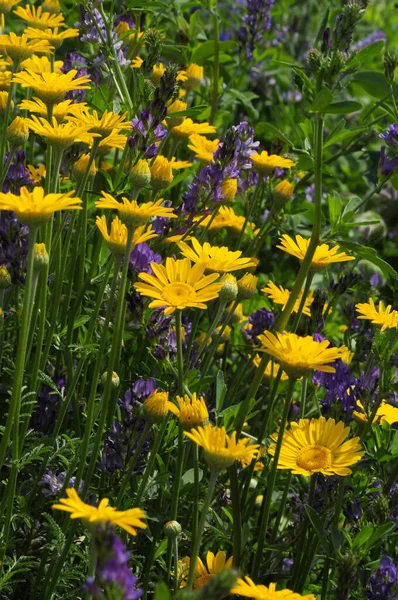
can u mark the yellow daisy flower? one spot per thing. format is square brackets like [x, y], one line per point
[40, 64]
[203, 148]
[323, 256]
[108, 123]
[129, 520]
[194, 76]
[190, 412]
[60, 110]
[5, 80]
[214, 258]
[156, 407]
[19, 47]
[317, 446]
[385, 318]
[175, 107]
[220, 449]
[280, 296]
[385, 412]
[247, 588]
[188, 128]
[34, 208]
[112, 142]
[227, 218]
[57, 135]
[214, 565]
[37, 18]
[271, 370]
[178, 285]
[134, 213]
[299, 354]
[54, 37]
[52, 87]
[117, 238]
[266, 163]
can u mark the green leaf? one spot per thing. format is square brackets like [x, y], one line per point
[270, 132]
[322, 100]
[370, 254]
[78, 323]
[305, 162]
[161, 549]
[378, 534]
[221, 390]
[363, 536]
[162, 592]
[189, 477]
[367, 54]
[344, 107]
[335, 205]
[318, 525]
[205, 50]
[343, 136]
[372, 82]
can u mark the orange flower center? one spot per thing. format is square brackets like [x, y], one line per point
[314, 458]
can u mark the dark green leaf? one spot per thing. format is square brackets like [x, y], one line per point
[322, 100]
[363, 536]
[162, 592]
[380, 532]
[344, 107]
[370, 254]
[205, 50]
[270, 132]
[221, 390]
[372, 82]
[367, 54]
[318, 525]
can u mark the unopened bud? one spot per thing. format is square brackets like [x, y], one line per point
[140, 174]
[247, 286]
[229, 187]
[80, 167]
[282, 193]
[18, 132]
[229, 289]
[172, 529]
[40, 257]
[115, 379]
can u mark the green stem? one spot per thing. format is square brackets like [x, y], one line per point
[175, 552]
[212, 328]
[216, 66]
[195, 508]
[250, 210]
[176, 489]
[6, 167]
[7, 112]
[281, 510]
[301, 551]
[180, 360]
[151, 462]
[335, 524]
[201, 526]
[236, 515]
[307, 287]
[266, 506]
[133, 461]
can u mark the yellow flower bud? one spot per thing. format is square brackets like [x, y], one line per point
[3, 102]
[172, 529]
[247, 286]
[229, 187]
[229, 289]
[17, 132]
[161, 173]
[115, 379]
[175, 107]
[156, 406]
[40, 257]
[140, 175]
[282, 193]
[194, 75]
[80, 166]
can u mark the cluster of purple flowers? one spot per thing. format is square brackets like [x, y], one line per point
[17, 174]
[261, 320]
[383, 584]
[141, 258]
[52, 483]
[94, 31]
[48, 403]
[231, 157]
[122, 437]
[75, 61]
[113, 578]
[13, 246]
[388, 165]
[160, 331]
[147, 131]
[257, 21]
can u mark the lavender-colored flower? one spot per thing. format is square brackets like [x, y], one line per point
[147, 131]
[48, 403]
[339, 388]
[383, 584]
[391, 136]
[261, 320]
[387, 165]
[75, 61]
[376, 36]
[142, 388]
[113, 578]
[17, 174]
[256, 22]
[55, 483]
[142, 257]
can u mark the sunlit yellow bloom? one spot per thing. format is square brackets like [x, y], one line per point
[283, 191]
[266, 163]
[117, 238]
[215, 564]
[80, 166]
[18, 132]
[7, 5]
[58, 135]
[225, 217]
[37, 18]
[179, 164]
[385, 318]
[156, 406]
[52, 87]
[134, 213]
[214, 258]
[136, 63]
[175, 107]
[271, 370]
[129, 520]
[34, 208]
[317, 446]
[60, 110]
[111, 142]
[5, 80]
[229, 187]
[299, 354]
[159, 70]
[40, 64]
[280, 295]
[19, 48]
[247, 588]
[385, 412]
[323, 256]
[346, 355]
[161, 173]
[202, 147]
[51, 6]
[188, 128]
[178, 285]
[190, 412]
[220, 449]
[194, 76]
[247, 285]
[54, 37]
[3, 101]
[108, 123]
[37, 174]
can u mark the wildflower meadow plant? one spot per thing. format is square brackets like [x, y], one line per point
[198, 300]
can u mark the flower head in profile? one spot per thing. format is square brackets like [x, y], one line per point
[194, 76]
[385, 318]
[36, 207]
[157, 405]
[317, 446]
[178, 285]
[52, 87]
[19, 48]
[215, 563]
[203, 148]
[266, 163]
[385, 412]
[220, 449]
[225, 217]
[41, 64]
[57, 135]
[190, 412]
[117, 238]
[36, 17]
[108, 123]
[53, 36]
[299, 354]
[60, 110]
[214, 258]
[134, 213]
[247, 588]
[280, 296]
[129, 520]
[323, 256]
[112, 142]
[188, 128]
